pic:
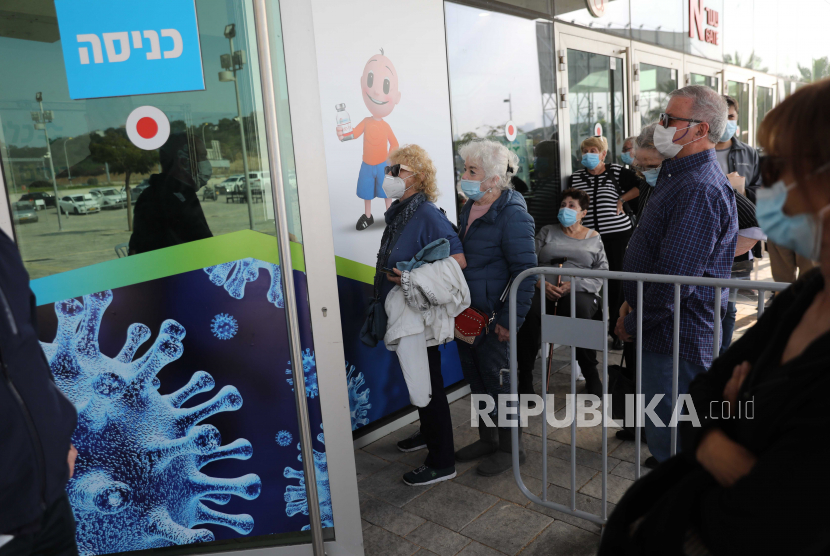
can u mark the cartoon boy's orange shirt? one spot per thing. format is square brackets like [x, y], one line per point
[378, 134]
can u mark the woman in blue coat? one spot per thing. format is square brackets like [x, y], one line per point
[498, 237]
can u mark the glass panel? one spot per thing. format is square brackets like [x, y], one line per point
[659, 22]
[595, 96]
[481, 49]
[763, 104]
[616, 20]
[656, 83]
[203, 283]
[707, 80]
[740, 92]
[84, 137]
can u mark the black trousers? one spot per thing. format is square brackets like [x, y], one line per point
[56, 536]
[530, 334]
[436, 422]
[615, 245]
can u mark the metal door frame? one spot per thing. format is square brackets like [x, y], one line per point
[584, 40]
[655, 56]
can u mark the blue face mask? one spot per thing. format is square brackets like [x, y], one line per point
[472, 189]
[802, 233]
[729, 132]
[626, 158]
[651, 176]
[567, 217]
[590, 160]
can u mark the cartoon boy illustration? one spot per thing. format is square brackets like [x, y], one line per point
[379, 84]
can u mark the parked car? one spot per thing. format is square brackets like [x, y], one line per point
[78, 204]
[135, 191]
[47, 198]
[24, 211]
[259, 180]
[231, 184]
[109, 197]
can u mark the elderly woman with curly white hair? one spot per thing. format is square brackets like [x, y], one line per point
[498, 237]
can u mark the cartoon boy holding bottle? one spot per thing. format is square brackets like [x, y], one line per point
[379, 84]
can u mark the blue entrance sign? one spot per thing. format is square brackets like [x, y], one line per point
[130, 47]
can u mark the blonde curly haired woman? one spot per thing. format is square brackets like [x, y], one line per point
[413, 221]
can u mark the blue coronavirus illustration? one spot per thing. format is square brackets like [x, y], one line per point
[284, 438]
[137, 482]
[296, 497]
[224, 326]
[310, 372]
[359, 405]
[235, 274]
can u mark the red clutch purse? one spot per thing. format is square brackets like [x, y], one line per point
[471, 324]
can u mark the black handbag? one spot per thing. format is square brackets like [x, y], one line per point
[621, 382]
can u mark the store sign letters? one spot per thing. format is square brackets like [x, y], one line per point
[130, 48]
[696, 23]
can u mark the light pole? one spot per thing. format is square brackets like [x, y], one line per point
[204, 126]
[41, 119]
[234, 62]
[68, 171]
[509, 101]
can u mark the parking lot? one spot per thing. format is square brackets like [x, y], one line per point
[90, 239]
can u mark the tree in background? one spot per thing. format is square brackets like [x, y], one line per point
[819, 70]
[115, 148]
[753, 62]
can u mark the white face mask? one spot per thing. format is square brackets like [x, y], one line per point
[664, 140]
[395, 187]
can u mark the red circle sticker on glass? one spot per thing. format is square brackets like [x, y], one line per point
[148, 128]
[510, 131]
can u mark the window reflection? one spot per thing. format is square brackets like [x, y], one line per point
[655, 85]
[763, 103]
[195, 186]
[740, 92]
[595, 96]
[502, 67]
[705, 80]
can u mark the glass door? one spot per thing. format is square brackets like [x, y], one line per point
[656, 73]
[703, 72]
[765, 97]
[594, 102]
[741, 92]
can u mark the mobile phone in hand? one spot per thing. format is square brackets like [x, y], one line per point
[388, 271]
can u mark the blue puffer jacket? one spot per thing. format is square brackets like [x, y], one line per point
[498, 246]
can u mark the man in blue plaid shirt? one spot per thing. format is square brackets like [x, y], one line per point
[689, 229]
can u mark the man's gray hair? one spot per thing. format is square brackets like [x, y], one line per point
[494, 158]
[646, 138]
[708, 106]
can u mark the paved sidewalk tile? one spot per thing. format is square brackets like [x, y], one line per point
[379, 542]
[584, 502]
[387, 485]
[390, 517]
[425, 552]
[439, 540]
[504, 486]
[451, 505]
[626, 470]
[367, 464]
[386, 447]
[625, 452]
[559, 471]
[616, 487]
[477, 549]
[561, 539]
[507, 527]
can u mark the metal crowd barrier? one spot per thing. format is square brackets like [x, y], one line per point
[592, 334]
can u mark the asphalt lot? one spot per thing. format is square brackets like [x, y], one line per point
[90, 239]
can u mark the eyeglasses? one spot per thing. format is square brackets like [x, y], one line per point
[395, 170]
[665, 118]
